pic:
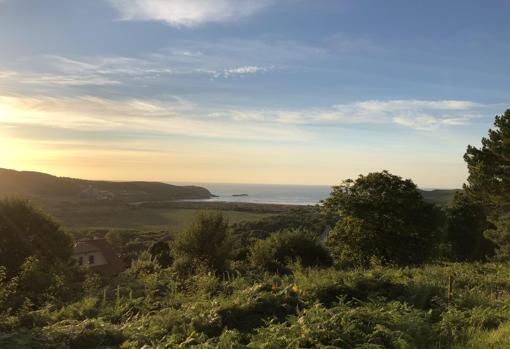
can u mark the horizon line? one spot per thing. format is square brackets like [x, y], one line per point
[203, 183]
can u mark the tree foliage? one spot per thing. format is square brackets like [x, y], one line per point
[381, 216]
[247, 233]
[276, 251]
[466, 224]
[489, 166]
[489, 177]
[160, 251]
[26, 232]
[207, 242]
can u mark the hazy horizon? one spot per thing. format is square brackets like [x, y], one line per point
[267, 92]
[205, 183]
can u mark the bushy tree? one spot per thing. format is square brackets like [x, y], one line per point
[161, 253]
[489, 177]
[281, 248]
[36, 256]
[246, 234]
[381, 216]
[7, 290]
[206, 243]
[27, 232]
[466, 225]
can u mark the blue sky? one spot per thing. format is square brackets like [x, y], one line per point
[267, 91]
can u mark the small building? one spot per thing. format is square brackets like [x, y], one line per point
[98, 255]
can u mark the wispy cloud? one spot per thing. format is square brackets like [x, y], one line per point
[67, 80]
[427, 122]
[173, 116]
[63, 71]
[188, 13]
[4, 74]
[177, 116]
[416, 114]
[185, 59]
[246, 70]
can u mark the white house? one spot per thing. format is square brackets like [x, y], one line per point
[98, 255]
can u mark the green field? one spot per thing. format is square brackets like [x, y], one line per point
[139, 218]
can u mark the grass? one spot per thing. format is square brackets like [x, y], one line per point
[496, 339]
[77, 217]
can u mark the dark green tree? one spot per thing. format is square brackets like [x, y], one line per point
[466, 224]
[279, 249]
[381, 216]
[206, 243]
[36, 256]
[489, 167]
[489, 178]
[26, 232]
[160, 252]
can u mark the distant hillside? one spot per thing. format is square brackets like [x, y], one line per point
[41, 186]
[439, 196]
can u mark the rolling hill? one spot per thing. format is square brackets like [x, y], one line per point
[44, 187]
[441, 197]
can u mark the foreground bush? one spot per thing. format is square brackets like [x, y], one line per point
[35, 259]
[392, 325]
[26, 232]
[274, 253]
[206, 243]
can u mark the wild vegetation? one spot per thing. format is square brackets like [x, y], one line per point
[395, 272]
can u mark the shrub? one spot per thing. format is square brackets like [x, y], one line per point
[83, 335]
[28, 232]
[278, 250]
[372, 325]
[160, 251]
[207, 242]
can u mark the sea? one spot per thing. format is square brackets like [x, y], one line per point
[267, 193]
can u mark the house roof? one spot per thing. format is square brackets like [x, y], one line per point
[114, 264]
[84, 247]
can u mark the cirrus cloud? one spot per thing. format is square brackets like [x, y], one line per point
[424, 115]
[174, 115]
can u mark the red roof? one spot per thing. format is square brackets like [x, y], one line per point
[114, 264]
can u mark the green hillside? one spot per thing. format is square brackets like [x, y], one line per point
[439, 197]
[44, 187]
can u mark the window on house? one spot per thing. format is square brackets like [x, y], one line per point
[80, 261]
[91, 259]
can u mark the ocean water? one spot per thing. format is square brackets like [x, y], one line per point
[268, 194]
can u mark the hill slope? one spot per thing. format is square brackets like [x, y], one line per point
[41, 186]
[441, 197]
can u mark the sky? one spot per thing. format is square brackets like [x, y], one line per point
[242, 91]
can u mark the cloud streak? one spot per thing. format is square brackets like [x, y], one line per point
[171, 117]
[177, 116]
[415, 114]
[246, 70]
[53, 70]
[187, 13]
